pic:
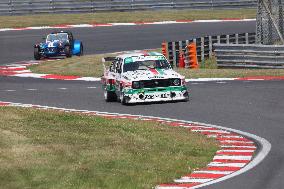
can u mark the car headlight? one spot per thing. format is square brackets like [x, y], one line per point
[176, 82]
[135, 85]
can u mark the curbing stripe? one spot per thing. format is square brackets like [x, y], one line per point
[221, 168]
[194, 180]
[235, 157]
[215, 172]
[219, 164]
[232, 150]
[230, 161]
[242, 153]
[224, 168]
[203, 176]
[20, 70]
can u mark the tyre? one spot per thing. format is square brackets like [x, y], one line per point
[187, 97]
[37, 55]
[109, 96]
[68, 51]
[186, 100]
[122, 99]
[81, 50]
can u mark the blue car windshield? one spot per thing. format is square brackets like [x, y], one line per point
[145, 65]
[57, 37]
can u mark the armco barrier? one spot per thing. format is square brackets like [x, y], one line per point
[13, 7]
[204, 45]
[249, 56]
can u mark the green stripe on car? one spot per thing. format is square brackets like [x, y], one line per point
[154, 90]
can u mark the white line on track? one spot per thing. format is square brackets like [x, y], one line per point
[62, 88]
[91, 87]
[9, 90]
[31, 89]
[196, 83]
[221, 82]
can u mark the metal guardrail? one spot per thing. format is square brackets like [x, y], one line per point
[14, 7]
[204, 45]
[249, 56]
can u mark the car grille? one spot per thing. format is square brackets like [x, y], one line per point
[156, 83]
[51, 49]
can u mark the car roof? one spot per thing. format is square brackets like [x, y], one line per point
[55, 32]
[138, 53]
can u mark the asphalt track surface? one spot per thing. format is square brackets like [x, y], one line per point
[18, 45]
[256, 107]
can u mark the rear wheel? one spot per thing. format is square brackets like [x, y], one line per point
[109, 96]
[81, 50]
[67, 51]
[37, 55]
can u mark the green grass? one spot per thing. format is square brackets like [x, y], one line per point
[91, 66]
[88, 65]
[49, 149]
[138, 16]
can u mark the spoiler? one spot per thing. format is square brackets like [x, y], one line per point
[107, 59]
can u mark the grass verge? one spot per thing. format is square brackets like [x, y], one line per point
[91, 66]
[48, 149]
[109, 17]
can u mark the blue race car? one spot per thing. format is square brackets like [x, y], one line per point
[58, 44]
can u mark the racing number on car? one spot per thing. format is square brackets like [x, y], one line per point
[149, 96]
[164, 95]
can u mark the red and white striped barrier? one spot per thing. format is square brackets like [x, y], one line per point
[20, 70]
[239, 150]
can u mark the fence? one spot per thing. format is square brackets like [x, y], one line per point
[270, 25]
[249, 56]
[13, 7]
[204, 45]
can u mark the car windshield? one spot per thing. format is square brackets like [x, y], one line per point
[57, 37]
[145, 64]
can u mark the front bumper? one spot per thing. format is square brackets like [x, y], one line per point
[156, 94]
[52, 52]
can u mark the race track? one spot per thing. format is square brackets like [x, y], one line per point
[18, 45]
[256, 107]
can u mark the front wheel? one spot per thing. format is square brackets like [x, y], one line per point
[186, 97]
[67, 51]
[122, 99]
[37, 55]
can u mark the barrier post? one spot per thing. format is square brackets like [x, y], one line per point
[181, 63]
[192, 55]
[165, 49]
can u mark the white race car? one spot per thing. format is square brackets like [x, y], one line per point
[138, 77]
